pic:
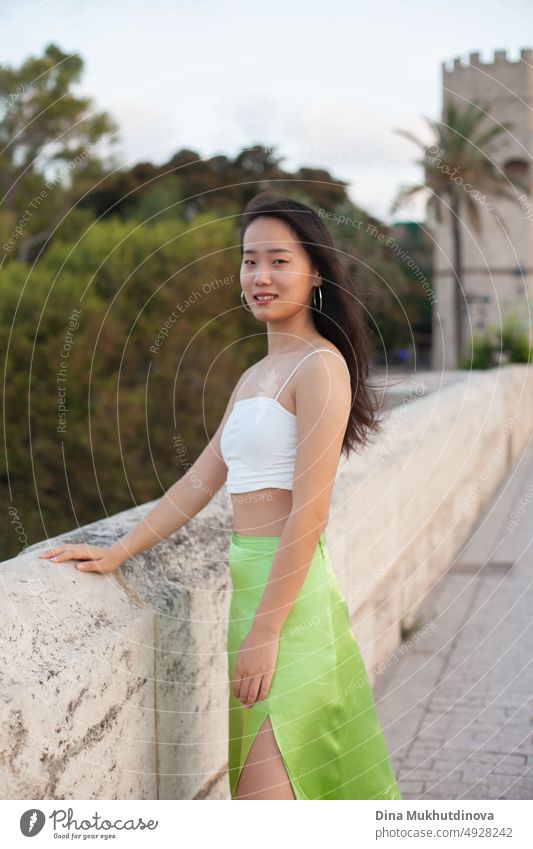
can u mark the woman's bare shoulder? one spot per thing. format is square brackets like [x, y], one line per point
[313, 367]
[326, 343]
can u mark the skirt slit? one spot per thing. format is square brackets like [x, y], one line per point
[298, 793]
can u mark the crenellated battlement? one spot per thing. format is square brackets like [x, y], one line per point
[474, 61]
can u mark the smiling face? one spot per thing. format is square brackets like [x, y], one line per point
[275, 263]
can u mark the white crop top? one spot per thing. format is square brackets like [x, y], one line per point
[259, 441]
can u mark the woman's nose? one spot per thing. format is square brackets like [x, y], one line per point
[261, 276]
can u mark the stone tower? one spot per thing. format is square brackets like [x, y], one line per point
[497, 261]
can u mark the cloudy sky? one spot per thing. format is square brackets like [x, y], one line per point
[326, 82]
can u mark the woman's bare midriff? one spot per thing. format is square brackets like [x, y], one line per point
[261, 513]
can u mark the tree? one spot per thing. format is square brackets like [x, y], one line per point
[49, 138]
[463, 144]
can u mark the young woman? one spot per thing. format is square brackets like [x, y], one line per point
[302, 718]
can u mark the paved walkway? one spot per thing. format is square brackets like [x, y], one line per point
[457, 706]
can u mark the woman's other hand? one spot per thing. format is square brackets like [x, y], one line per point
[94, 558]
[255, 666]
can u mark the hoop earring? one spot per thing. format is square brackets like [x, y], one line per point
[319, 309]
[243, 302]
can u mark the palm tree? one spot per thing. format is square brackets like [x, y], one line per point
[459, 157]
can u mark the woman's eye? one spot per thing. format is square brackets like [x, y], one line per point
[246, 261]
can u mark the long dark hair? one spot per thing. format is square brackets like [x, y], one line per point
[341, 319]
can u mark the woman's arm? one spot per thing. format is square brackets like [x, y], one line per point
[323, 401]
[183, 500]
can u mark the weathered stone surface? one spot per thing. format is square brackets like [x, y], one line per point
[77, 683]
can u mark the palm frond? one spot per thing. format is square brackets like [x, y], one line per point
[492, 133]
[410, 137]
[405, 193]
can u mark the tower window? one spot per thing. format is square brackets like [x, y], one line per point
[517, 169]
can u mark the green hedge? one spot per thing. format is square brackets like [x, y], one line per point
[510, 343]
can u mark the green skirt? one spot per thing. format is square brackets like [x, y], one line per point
[320, 703]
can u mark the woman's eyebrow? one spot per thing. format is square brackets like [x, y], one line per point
[269, 251]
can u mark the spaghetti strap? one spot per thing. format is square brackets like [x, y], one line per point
[301, 361]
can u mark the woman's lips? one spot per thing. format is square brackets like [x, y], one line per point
[267, 300]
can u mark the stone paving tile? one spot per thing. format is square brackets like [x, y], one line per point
[412, 789]
[457, 707]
